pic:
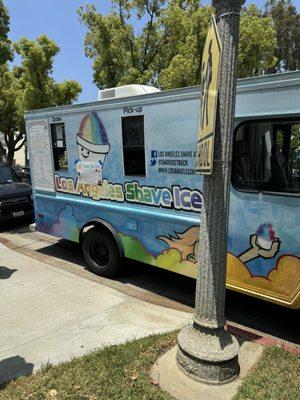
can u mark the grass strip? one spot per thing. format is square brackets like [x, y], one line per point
[275, 377]
[121, 372]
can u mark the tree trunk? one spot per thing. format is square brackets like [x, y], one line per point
[13, 144]
[2, 153]
[10, 155]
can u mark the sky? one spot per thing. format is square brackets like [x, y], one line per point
[58, 19]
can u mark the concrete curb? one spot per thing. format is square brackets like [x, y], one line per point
[256, 337]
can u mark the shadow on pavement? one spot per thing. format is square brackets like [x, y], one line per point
[19, 226]
[159, 281]
[248, 311]
[6, 273]
[13, 367]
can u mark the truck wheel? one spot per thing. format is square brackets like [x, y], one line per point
[101, 252]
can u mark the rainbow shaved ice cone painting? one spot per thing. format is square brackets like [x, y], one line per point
[92, 141]
[266, 235]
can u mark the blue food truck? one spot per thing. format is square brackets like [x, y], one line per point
[118, 176]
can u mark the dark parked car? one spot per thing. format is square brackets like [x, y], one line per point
[15, 195]
[23, 173]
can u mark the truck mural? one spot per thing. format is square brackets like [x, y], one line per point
[125, 185]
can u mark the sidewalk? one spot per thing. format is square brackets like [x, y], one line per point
[51, 315]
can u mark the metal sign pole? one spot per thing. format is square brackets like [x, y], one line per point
[206, 351]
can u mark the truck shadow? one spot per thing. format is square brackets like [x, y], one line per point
[133, 273]
[247, 311]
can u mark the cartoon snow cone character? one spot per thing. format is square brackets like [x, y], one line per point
[92, 147]
[92, 142]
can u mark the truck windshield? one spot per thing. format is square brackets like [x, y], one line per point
[7, 175]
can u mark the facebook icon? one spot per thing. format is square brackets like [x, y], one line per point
[153, 153]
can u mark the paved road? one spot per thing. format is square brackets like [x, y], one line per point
[158, 286]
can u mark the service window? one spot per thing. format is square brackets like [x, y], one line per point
[133, 145]
[266, 156]
[59, 149]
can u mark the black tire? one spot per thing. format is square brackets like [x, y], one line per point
[101, 252]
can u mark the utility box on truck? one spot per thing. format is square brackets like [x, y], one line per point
[118, 175]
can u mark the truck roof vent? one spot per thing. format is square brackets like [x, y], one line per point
[125, 91]
[107, 94]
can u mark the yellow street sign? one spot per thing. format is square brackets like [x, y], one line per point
[209, 83]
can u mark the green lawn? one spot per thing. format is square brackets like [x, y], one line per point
[122, 373]
[275, 377]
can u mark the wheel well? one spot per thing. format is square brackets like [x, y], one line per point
[98, 222]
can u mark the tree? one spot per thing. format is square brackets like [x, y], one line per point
[5, 48]
[5, 44]
[185, 41]
[166, 48]
[119, 55]
[40, 89]
[10, 113]
[171, 32]
[287, 26]
[30, 86]
[257, 43]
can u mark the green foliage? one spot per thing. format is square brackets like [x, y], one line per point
[287, 24]
[295, 148]
[40, 89]
[257, 43]
[164, 47]
[11, 112]
[65, 92]
[163, 51]
[187, 29]
[275, 377]
[30, 86]
[5, 55]
[5, 44]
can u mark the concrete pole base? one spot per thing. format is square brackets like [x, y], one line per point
[208, 355]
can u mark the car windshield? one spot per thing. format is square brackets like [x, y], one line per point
[7, 175]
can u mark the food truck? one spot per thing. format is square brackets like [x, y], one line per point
[118, 176]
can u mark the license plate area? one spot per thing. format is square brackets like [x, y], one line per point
[17, 214]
